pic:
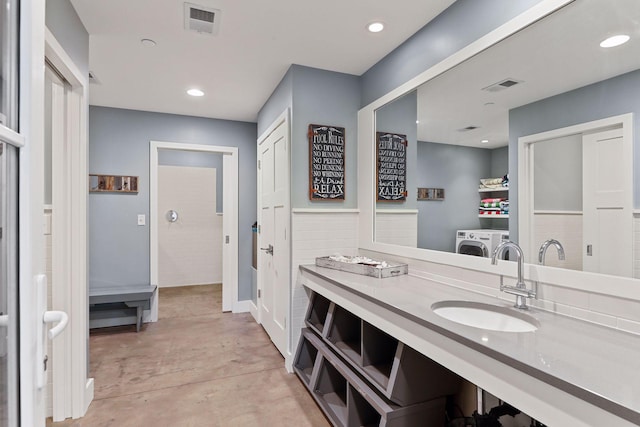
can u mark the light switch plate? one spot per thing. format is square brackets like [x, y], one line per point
[141, 219]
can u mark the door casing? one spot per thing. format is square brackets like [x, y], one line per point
[229, 219]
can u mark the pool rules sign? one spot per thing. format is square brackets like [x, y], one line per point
[326, 162]
[391, 152]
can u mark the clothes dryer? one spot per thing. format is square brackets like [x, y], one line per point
[479, 242]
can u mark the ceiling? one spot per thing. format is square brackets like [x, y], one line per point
[553, 56]
[240, 67]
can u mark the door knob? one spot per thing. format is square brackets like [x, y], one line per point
[268, 249]
[172, 216]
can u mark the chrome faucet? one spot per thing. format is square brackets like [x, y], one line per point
[543, 250]
[520, 289]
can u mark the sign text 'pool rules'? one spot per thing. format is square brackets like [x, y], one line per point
[326, 162]
[391, 173]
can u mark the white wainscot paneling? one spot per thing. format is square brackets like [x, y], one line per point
[397, 227]
[315, 234]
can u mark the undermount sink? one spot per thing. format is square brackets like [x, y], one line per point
[485, 316]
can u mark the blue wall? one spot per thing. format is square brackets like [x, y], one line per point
[64, 23]
[316, 97]
[323, 98]
[279, 101]
[119, 144]
[458, 170]
[619, 95]
[461, 24]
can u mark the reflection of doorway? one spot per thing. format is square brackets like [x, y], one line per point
[189, 227]
[229, 219]
[594, 220]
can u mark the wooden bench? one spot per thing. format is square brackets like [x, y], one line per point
[117, 306]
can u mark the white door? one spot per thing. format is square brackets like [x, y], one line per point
[607, 203]
[273, 239]
[189, 229]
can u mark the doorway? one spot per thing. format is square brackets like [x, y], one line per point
[229, 241]
[592, 212]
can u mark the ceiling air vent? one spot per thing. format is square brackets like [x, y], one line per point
[201, 19]
[502, 85]
[468, 128]
[92, 78]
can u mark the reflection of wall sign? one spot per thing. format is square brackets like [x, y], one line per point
[326, 162]
[430, 193]
[391, 149]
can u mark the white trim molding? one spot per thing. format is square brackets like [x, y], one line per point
[73, 390]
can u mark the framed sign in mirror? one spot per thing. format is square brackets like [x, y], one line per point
[391, 173]
[326, 163]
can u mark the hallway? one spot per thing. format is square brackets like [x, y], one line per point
[195, 367]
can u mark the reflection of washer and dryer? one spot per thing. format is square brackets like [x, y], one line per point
[479, 242]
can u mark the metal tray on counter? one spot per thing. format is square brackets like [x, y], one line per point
[391, 270]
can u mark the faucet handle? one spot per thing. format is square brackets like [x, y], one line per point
[521, 292]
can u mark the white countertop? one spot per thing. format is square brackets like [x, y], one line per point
[597, 364]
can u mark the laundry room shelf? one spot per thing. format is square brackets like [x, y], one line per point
[493, 190]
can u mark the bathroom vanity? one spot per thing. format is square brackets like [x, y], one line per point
[567, 372]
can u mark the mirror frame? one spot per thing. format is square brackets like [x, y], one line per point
[622, 287]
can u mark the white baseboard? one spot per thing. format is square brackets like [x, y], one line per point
[242, 306]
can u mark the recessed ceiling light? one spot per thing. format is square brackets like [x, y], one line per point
[195, 92]
[417, 122]
[485, 141]
[375, 27]
[148, 42]
[614, 41]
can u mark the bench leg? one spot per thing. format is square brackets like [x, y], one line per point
[139, 323]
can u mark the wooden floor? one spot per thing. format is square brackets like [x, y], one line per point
[195, 367]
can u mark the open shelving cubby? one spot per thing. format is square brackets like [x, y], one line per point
[361, 412]
[305, 360]
[378, 353]
[317, 313]
[331, 390]
[349, 400]
[345, 333]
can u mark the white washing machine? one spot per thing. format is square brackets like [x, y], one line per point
[479, 242]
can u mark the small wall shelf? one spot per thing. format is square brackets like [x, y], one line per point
[493, 216]
[113, 183]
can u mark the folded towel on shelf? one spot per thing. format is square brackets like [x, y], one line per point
[482, 210]
[490, 204]
[493, 200]
[494, 183]
[491, 181]
[491, 212]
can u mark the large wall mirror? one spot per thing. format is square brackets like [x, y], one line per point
[539, 88]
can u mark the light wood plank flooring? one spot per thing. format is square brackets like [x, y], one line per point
[195, 367]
